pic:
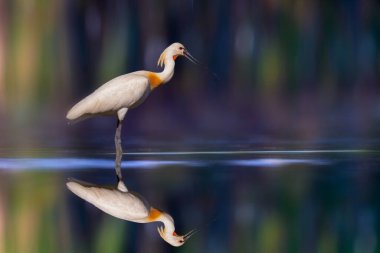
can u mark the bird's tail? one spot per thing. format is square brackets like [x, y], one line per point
[79, 119]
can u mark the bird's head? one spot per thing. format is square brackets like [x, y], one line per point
[173, 51]
[174, 239]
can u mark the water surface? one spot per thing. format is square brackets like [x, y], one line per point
[243, 201]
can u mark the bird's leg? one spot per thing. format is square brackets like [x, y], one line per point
[119, 151]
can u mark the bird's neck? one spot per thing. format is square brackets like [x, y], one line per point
[168, 71]
[168, 223]
[156, 79]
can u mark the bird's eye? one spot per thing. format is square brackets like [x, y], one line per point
[181, 241]
[181, 48]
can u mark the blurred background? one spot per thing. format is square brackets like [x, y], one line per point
[292, 75]
[288, 70]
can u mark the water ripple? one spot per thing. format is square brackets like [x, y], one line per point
[85, 163]
[275, 162]
[81, 163]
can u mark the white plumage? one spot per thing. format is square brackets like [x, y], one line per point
[122, 204]
[127, 91]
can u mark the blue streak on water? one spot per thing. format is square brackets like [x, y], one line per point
[80, 163]
[275, 162]
[85, 163]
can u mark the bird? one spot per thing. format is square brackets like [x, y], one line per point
[126, 205]
[127, 91]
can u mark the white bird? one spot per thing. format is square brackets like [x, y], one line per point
[127, 91]
[129, 206]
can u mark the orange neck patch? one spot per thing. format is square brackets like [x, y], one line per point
[153, 214]
[154, 80]
[175, 57]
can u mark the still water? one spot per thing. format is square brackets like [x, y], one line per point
[251, 201]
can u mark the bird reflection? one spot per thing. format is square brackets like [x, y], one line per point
[126, 205]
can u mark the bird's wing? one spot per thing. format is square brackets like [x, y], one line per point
[123, 205]
[124, 91]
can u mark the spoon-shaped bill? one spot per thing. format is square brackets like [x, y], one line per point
[191, 58]
[195, 61]
[191, 233]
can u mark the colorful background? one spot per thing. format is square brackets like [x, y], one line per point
[292, 76]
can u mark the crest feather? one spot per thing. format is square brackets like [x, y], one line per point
[161, 60]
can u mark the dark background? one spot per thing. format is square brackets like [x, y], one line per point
[297, 91]
[289, 72]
